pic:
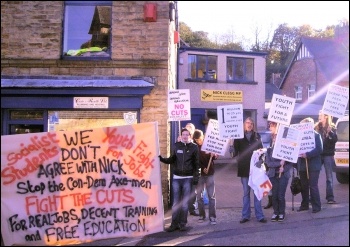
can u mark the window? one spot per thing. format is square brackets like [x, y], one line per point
[311, 90]
[240, 70]
[201, 67]
[298, 92]
[87, 27]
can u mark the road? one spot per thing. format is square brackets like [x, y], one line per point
[328, 227]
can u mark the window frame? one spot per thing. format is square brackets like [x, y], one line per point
[206, 77]
[298, 90]
[232, 64]
[65, 30]
[311, 90]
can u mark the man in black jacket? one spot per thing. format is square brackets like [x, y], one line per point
[186, 171]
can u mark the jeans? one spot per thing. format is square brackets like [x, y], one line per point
[209, 183]
[329, 162]
[310, 184]
[279, 188]
[181, 194]
[192, 200]
[246, 210]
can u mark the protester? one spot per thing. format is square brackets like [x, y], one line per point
[279, 174]
[192, 200]
[309, 166]
[243, 149]
[327, 130]
[206, 180]
[186, 171]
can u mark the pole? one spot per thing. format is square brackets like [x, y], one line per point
[307, 168]
[206, 170]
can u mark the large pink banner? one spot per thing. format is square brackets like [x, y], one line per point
[71, 187]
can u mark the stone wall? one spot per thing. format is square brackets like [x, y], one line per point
[31, 44]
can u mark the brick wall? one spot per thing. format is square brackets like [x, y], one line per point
[31, 40]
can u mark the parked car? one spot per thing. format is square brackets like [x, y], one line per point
[341, 155]
[265, 138]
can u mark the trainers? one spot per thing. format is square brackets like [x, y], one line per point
[331, 202]
[212, 221]
[274, 218]
[281, 217]
[201, 219]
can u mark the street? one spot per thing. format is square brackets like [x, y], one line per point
[328, 227]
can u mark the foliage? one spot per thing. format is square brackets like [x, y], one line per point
[280, 46]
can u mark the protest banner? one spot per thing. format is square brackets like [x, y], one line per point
[281, 109]
[307, 142]
[258, 179]
[71, 187]
[287, 144]
[212, 142]
[336, 101]
[179, 107]
[230, 119]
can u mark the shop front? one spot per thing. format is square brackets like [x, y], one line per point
[31, 105]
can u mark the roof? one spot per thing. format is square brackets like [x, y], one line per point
[330, 55]
[271, 89]
[73, 82]
[185, 48]
[102, 16]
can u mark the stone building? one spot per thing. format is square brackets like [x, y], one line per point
[57, 54]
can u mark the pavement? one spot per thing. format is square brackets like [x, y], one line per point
[229, 206]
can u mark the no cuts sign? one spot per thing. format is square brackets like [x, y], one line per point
[179, 107]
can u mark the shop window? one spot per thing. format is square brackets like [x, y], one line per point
[87, 29]
[240, 70]
[71, 120]
[202, 68]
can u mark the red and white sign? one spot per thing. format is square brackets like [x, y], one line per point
[179, 107]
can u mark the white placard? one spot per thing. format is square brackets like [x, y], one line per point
[336, 100]
[307, 142]
[212, 142]
[179, 107]
[281, 110]
[287, 144]
[230, 118]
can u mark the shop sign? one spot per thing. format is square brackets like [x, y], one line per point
[90, 102]
[221, 95]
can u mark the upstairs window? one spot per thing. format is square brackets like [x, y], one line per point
[298, 92]
[311, 90]
[87, 29]
[202, 68]
[240, 70]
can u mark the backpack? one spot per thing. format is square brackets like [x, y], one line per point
[295, 186]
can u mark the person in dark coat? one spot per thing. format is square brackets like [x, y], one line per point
[309, 166]
[326, 129]
[243, 149]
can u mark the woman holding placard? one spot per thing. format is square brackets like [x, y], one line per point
[326, 129]
[279, 174]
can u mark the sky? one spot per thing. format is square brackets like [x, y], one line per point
[220, 17]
